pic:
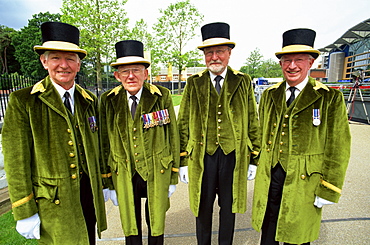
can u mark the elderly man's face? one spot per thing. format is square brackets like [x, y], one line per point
[62, 67]
[217, 58]
[132, 77]
[295, 67]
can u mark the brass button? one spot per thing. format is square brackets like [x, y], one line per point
[135, 146]
[135, 129]
[281, 143]
[275, 124]
[268, 150]
[219, 127]
[69, 131]
[218, 135]
[217, 143]
[283, 133]
[136, 154]
[281, 151]
[162, 171]
[70, 142]
[270, 142]
[72, 165]
[219, 120]
[284, 125]
[126, 160]
[303, 176]
[286, 116]
[57, 202]
[74, 176]
[202, 135]
[219, 113]
[77, 126]
[117, 173]
[219, 106]
[200, 143]
[71, 154]
[272, 133]
[134, 138]
[136, 160]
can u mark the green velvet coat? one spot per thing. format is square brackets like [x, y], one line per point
[41, 163]
[152, 152]
[193, 122]
[317, 157]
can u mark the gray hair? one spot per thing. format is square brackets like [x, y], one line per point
[47, 53]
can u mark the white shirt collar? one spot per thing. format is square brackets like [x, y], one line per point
[213, 76]
[138, 95]
[299, 86]
[62, 91]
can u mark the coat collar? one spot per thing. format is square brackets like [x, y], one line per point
[50, 96]
[307, 97]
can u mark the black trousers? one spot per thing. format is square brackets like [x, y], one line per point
[87, 203]
[217, 179]
[140, 191]
[273, 206]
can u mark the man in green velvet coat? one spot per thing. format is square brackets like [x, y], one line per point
[140, 143]
[305, 148]
[218, 136]
[51, 150]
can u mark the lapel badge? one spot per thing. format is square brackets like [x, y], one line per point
[316, 117]
[156, 118]
[92, 123]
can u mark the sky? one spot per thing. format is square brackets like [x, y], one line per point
[253, 24]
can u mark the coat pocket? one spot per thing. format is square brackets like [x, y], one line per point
[314, 163]
[46, 189]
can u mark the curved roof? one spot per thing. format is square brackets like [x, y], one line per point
[353, 35]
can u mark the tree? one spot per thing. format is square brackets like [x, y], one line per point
[24, 41]
[257, 67]
[174, 30]
[8, 64]
[102, 24]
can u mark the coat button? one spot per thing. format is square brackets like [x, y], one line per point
[303, 176]
[71, 154]
[217, 143]
[70, 142]
[283, 133]
[200, 143]
[268, 150]
[136, 154]
[270, 142]
[281, 143]
[135, 129]
[135, 146]
[284, 125]
[57, 202]
[281, 151]
[162, 171]
[219, 127]
[69, 131]
[74, 176]
[275, 125]
[72, 165]
[219, 113]
[136, 160]
[219, 120]
[219, 106]
[286, 116]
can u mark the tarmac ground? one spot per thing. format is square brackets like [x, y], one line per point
[344, 223]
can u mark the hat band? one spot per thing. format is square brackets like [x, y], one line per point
[296, 47]
[130, 60]
[59, 45]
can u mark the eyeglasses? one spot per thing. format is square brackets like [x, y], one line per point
[126, 72]
[298, 61]
[218, 52]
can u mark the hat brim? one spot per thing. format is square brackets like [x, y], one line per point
[130, 60]
[216, 42]
[60, 46]
[294, 49]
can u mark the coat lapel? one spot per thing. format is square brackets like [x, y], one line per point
[307, 97]
[202, 87]
[278, 98]
[147, 100]
[231, 83]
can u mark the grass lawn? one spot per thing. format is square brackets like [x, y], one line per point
[8, 234]
[176, 99]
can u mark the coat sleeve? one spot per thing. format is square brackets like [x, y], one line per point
[253, 125]
[17, 143]
[104, 145]
[183, 122]
[174, 140]
[337, 150]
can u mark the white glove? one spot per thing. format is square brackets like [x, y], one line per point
[110, 194]
[252, 170]
[183, 174]
[29, 227]
[171, 190]
[319, 202]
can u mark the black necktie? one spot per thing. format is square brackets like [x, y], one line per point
[218, 85]
[292, 96]
[133, 105]
[67, 103]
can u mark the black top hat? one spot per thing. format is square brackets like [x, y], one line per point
[298, 41]
[216, 34]
[60, 36]
[130, 52]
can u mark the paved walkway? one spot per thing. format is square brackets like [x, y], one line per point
[347, 222]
